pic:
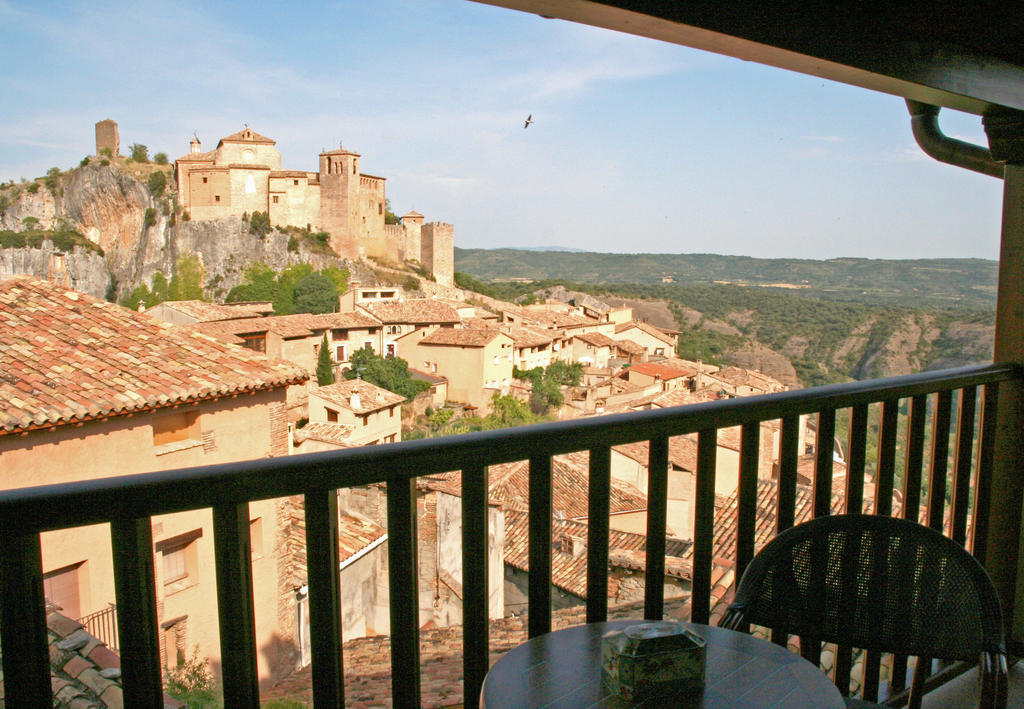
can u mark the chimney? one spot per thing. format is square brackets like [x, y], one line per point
[194, 145]
[355, 402]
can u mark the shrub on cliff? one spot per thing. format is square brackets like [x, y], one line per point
[156, 183]
[149, 219]
[259, 224]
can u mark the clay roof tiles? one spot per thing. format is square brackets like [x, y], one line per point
[644, 327]
[246, 136]
[355, 534]
[209, 312]
[461, 337]
[662, 371]
[337, 434]
[67, 357]
[371, 396]
[596, 339]
[419, 311]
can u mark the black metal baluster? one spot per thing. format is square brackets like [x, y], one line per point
[788, 455]
[475, 583]
[857, 458]
[323, 571]
[824, 455]
[986, 457]
[941, 419]
[232, 549]
[703, 527]
[404, 606]
[540, 546]
[746, 503]
[23, 640]
[598, 509]
[135, 590]
[885, 476]
[657, 512]
[964, 458]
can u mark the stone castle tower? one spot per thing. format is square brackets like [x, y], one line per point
[244, 175]
[107, 137]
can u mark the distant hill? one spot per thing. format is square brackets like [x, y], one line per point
[567, 249]
[936, 283]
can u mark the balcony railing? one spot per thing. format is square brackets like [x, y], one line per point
[128, 503]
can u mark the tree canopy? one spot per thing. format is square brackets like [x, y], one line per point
[391, 373]
[296, 289]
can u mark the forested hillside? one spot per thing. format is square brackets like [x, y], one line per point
[801, 336]
[938, 283]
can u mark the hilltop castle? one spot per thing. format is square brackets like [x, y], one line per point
[243, 175]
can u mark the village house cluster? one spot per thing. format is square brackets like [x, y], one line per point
[97, 390]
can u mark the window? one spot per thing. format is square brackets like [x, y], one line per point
[339, 334]
[380, 208]
[367, 344]
[295, 182]
[339, 354]
[392, 329]
[62, 587]
[250, 184]
[216, 198]
[392, 351]
[332, 416]
[204, 180]
[257, 343]
[275, 199]
[177, 430]
[366, 420]
[391, 411]
[389, 439]
[179, 560]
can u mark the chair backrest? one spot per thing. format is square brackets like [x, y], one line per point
[877, 583]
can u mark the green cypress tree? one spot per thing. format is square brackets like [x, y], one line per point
[324, 370]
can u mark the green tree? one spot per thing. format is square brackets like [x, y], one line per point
[389, 216]
[316, 293]
[160, 158]
[507, 411]
[391, 373]
[30, 223]
[138, 152]
[51, 178]
[339, 276]
[259, 283]
[564, 373]
[324, 368]
[187, 280]
[156, 183]
[289, 277]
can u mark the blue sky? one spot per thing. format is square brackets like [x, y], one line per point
[637, 146]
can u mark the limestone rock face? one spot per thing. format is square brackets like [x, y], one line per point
[82, 270]
[108, 206]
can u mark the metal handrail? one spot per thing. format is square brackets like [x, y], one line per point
[66, 505]
[129, 501]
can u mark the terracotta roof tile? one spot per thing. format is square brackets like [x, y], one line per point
[418, 311]
[662, 371]
[337, 434]
[240, 137]
[355, 534]
[208, 312]
[461, 337]
[596, 339]
[371, 396]
[644, 327]
[67, 357]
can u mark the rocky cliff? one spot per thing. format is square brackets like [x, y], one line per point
[108, 205]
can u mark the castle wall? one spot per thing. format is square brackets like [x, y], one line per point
[249, 189]
[249, 153]
[437, 244]
[371, 217]
[295, 200]
[209, 195]
[395, 239]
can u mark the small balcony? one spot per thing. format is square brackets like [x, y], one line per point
[937, 458]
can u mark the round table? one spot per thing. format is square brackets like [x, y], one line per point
[563, 669]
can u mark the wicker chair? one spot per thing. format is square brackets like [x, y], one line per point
[881, 584]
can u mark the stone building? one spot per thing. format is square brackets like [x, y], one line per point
[107, 137]
[244, 175]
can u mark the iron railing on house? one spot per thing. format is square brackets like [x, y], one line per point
[128, 503]
[102, 625]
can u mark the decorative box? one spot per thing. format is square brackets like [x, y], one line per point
[652, 660]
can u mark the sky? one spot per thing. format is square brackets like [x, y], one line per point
[636, 145]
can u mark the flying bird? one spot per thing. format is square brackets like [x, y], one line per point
[529, 120]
